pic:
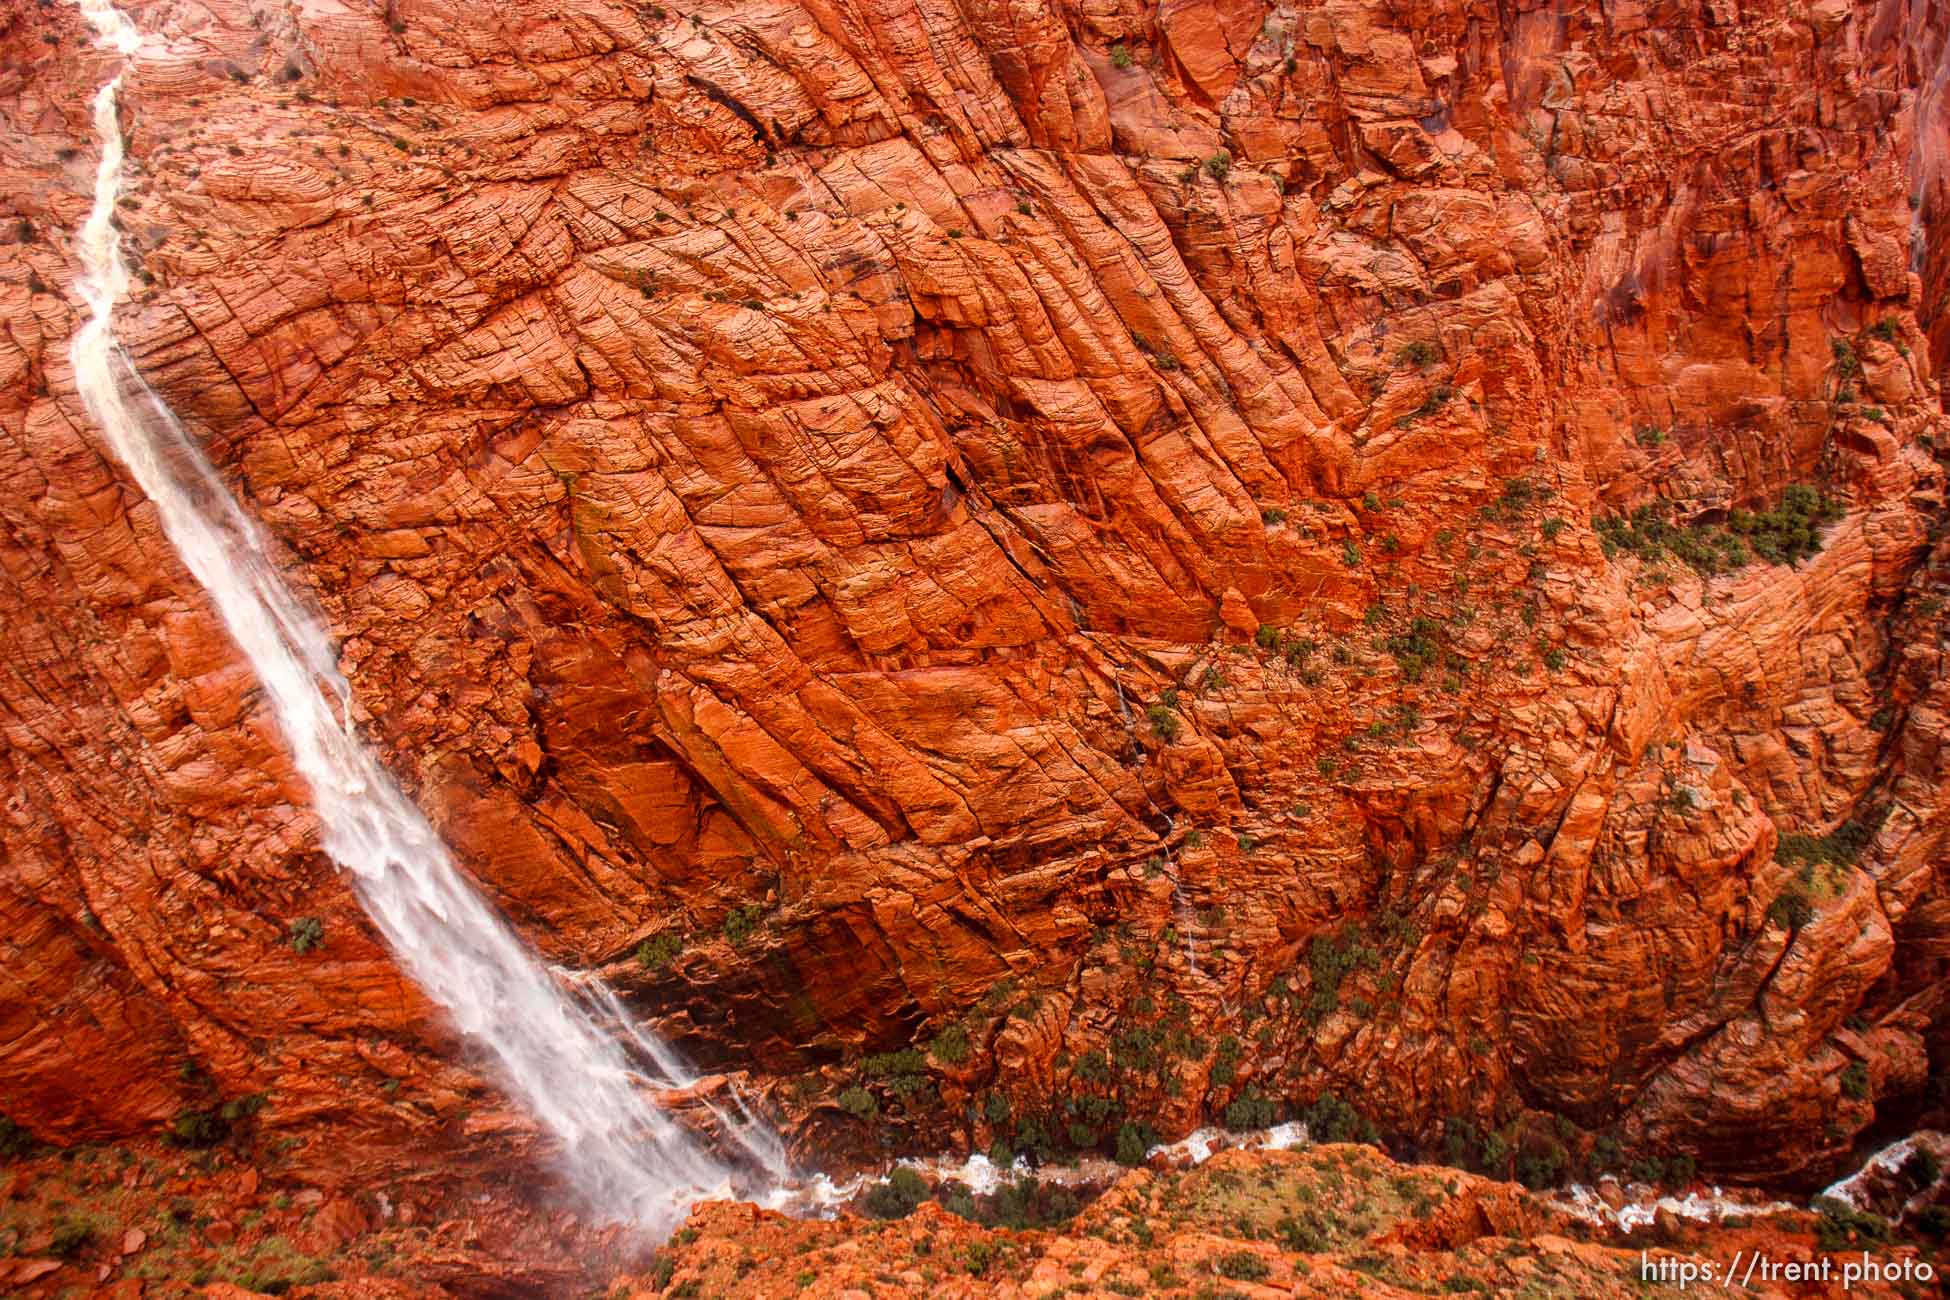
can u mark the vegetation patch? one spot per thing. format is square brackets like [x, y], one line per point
[1330, 959]
[1842, 1226]
[950, 1046]
[659, 950]
[897, 1195]
[1822, 862]
[1163, 715]
[741, 923]
[15, 1141]
[305, 934]
[1787, 534]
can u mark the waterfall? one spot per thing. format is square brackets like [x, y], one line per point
[562, 1056]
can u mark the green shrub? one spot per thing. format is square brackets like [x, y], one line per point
[1605, 1152]
[305, 934]
[976, 1257]
[1421, 355]
[950, 1045]
[1242, 1266]
[1541, 1164]
[1023, 1203]
[1415, 650]
[1330, 959]
[1304, 1233]
[659, 950]
[1251, 1112]
[1842, 1226]
[1163, 717]
[1460, 1142]
[1855, 1080]
[15, 1141]
[275, 1266]
[897, 1195]
[1434, 400]
[741, 922]
[1225, 1065]
[239, 1108]
[1841, 847]
[1792, 530]
[71, 1236]
[1219, 165]
[1332, 1120]
[1120, 57]
[196, 1128]
[886, 1065]
[1793, 907]
[1133, 1140]
[857, 1102]
[1093, 1110]
[1786, 534]
[1350, 555]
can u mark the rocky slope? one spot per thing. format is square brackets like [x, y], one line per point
[1330, 1221]
[1098, 541]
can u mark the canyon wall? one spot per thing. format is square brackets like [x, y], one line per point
[1093, 539]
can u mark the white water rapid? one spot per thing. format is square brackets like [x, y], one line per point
[558, 1055]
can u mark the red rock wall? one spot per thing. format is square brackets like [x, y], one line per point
[773, 455]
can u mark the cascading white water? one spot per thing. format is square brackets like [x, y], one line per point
[550, 1051]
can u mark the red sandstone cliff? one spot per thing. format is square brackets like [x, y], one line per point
[1068, 525]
